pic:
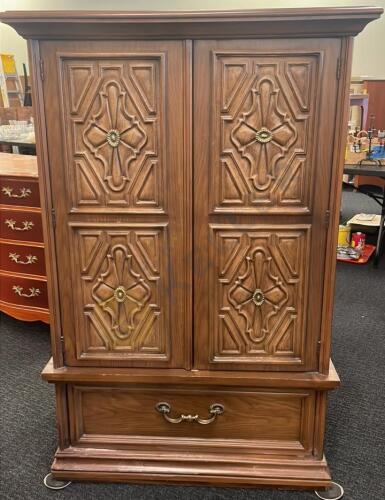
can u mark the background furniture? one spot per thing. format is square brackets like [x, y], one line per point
[16, 113]
[362, 101]
[194, 352]
[23, 284]
[376, 91]
[376, 191]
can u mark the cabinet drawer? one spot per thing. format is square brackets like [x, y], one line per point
[21, 225]
[19, 192]
[265, 418]
[23, 291]
[26, 259]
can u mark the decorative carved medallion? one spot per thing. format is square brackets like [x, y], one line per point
[264, 113]
[258, 304]
[114, 136]
[122, 302]
[116, 132]
[121, 292]
[263, 134]
[257, 295]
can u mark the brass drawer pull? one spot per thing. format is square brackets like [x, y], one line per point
[24, 192]
[33, 292]
[30, 259]
[165, 409]
[26, 225]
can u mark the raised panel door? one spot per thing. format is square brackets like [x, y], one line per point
[263, 113]
[119, 182]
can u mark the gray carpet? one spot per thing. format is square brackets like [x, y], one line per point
[355, 432]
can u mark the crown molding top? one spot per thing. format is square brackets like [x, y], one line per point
[93, 25]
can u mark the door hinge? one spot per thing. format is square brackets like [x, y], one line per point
[61, 338]
[53, 218]
[327, 218]
[338, 70]
[41, 65]
[319, 346]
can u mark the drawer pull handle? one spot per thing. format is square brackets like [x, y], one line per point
[30, 259]
[26, 225]
[33, 292]
[24, 192]
[215, 410]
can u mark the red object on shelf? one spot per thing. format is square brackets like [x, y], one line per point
[365, 256]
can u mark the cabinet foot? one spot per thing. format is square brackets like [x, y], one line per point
[55, 484]
[334, 492]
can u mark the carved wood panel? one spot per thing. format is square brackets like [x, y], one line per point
[113, 111]
[263, 121]
[259, 278]
[121, 276]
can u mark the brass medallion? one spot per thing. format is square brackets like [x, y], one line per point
[120, 294]
[258, 297]
[264, 135]
[113, 138]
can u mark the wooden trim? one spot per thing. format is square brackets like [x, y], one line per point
[342, 111]
[62, 416]
[79, 463]
[320, 423]
[188, 190]
[101, 375]
[46, 200]
[312, 22]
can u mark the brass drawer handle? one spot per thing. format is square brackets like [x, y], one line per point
[26, 225]
[215, 410]
[33, 292]
[30, 259]
[24, 192]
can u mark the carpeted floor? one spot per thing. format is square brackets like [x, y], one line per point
[355, 432]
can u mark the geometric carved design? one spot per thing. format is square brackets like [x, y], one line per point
[114, 136]
[113, 109]
[258, 295]
[266, 112]
[263, 134]
[121, 292]
[258, 280]
[123, 275]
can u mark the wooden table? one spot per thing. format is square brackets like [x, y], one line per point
[371, 170]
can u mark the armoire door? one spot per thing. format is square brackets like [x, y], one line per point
[116, 138]
[264, 114]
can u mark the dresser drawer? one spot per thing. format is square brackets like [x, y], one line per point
[263, 418]
[26, 259]
[19, 192]
[21, 225]
[23, 291]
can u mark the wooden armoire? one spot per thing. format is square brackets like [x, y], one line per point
[190, 167]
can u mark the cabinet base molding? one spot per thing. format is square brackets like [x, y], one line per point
[263, 435]
[79, 464]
